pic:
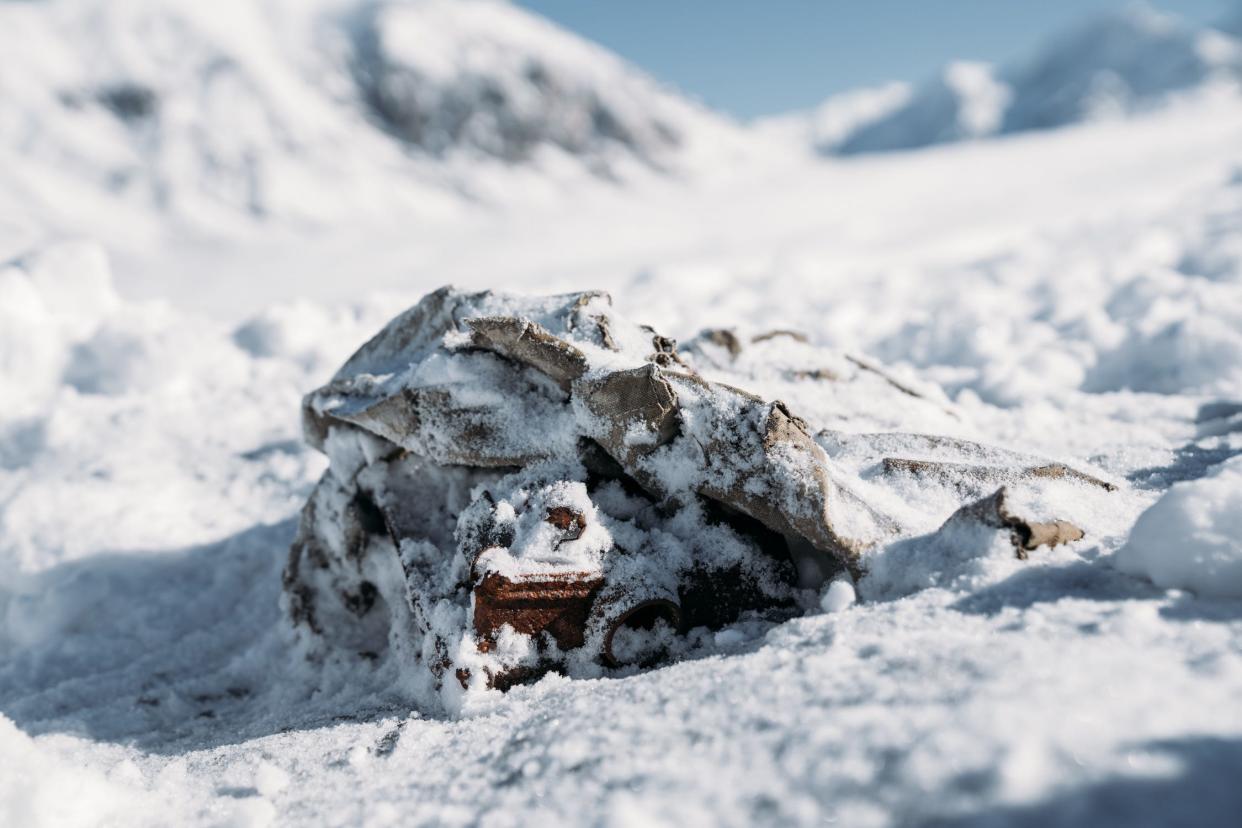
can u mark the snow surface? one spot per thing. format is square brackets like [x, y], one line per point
[1075, 294]
[1191, 538]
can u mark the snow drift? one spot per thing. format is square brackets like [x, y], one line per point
[1192, 537]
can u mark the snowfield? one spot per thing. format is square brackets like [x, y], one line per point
[1073, 293]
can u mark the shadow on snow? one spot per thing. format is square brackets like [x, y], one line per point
[1203, 791]
[169, 651]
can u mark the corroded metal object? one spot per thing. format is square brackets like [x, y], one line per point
[556, 606]
[519, 485]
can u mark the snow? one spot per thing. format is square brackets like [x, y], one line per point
[1069, 293]
[1103, 68]
[215, 118]
[966, 101]
[838, 596]
[1191, 538]
[835, 119]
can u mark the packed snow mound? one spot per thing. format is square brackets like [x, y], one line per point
[318, 109]
[1191, 538]
[1111, 66]
[50, 300]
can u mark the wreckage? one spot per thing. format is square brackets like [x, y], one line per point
[520, 485]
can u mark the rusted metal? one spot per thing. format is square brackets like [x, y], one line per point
[441, 462]
[557, 606]
[572, 523]
[642, 615]
[505, 679]
[638, 604]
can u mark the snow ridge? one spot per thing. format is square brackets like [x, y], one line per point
[1107, 67]
[261, 109]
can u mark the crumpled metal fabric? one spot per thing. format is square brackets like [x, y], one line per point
[465, 389]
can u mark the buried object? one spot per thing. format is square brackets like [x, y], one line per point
[518, 485]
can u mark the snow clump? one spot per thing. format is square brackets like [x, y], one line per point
[1191, 538]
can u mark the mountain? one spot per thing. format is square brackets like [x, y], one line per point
[965, 101]
[836, 118]
[1111, 65]
[314, 109]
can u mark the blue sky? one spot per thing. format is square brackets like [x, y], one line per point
[756, 57]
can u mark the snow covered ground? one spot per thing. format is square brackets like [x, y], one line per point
[1076, 293]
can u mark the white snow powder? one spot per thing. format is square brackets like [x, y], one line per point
[1191, 538]
[838, 595]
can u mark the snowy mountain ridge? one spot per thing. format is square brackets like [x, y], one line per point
[1110, 66]
[329, 111]
[259, 109]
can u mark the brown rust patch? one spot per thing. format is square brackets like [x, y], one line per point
[504, 680]
[571, 522]
[555, 605]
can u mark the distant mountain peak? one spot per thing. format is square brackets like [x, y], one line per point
[965, 100]
[446, 74]
[1107, 66]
